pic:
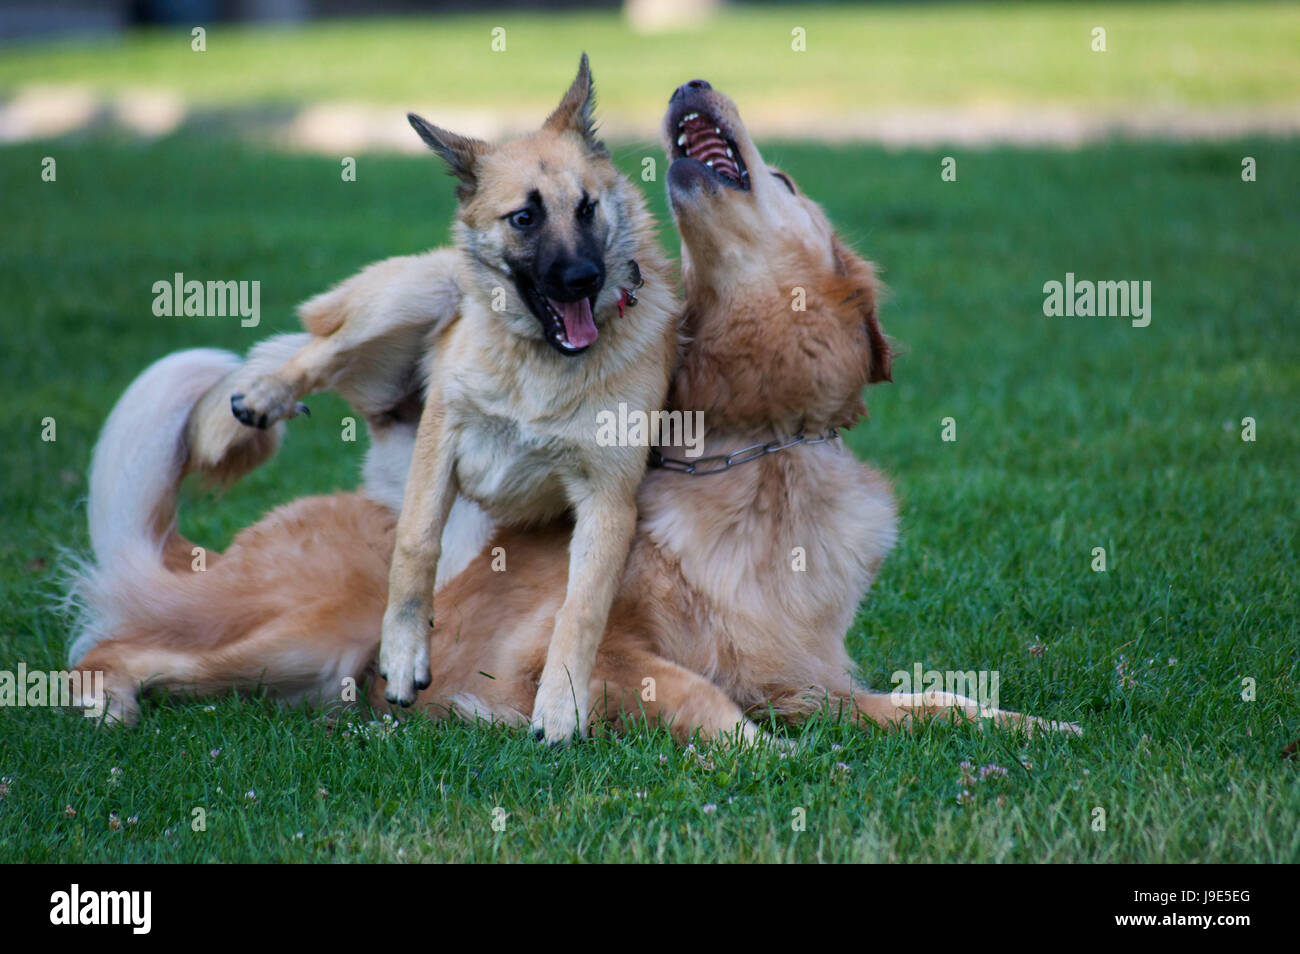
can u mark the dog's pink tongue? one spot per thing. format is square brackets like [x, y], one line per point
[579, 326]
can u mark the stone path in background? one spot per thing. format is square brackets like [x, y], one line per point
[38, 112]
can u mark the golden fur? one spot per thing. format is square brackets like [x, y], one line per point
[711, 624]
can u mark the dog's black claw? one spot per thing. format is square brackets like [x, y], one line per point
[538, 735]
[425, 681]
[238, 408]
[302, 409]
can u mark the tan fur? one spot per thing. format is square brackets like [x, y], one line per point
[293, 603]
[510, 423]
[368, 334]
[507, 422]
[709, 625]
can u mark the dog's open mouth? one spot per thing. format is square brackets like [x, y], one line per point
[568, 326]
[572, 323]
[707, 139]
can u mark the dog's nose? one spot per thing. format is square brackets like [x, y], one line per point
[685, 88]
[582, 278]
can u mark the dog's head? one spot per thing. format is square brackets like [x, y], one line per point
[543, 220]
[765, 272]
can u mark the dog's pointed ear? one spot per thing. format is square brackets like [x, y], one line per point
[461, 153]
[575, 112]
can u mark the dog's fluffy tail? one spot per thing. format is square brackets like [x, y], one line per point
[173, 420]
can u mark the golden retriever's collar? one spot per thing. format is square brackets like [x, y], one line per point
[717, 463]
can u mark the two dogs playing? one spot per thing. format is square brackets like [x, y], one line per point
[671, 597]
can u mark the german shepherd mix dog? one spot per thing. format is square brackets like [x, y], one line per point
[551, 240]
[515, 392]
[709, 627]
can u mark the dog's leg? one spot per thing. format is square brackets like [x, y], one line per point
[120, 703]
[292, 657]
[899, 710]
[368, 335]
[628, 685]
[218, 444]
[903, 709]
[430, 491]
[602, 535]
[275, 397]
[293, 606]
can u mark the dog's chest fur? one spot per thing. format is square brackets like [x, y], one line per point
[511, 468]
[523, 419]
[770, 562]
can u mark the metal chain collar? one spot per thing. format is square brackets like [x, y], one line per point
[717, 463]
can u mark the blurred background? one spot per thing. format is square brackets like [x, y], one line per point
[327, 75]
[143, 139]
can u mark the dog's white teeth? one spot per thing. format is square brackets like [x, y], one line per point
[709, 163]
[681, 140]
[729, 155]
[717, 130]
[689, 116]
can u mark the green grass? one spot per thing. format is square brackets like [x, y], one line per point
[1158, 55]
[1072, 433]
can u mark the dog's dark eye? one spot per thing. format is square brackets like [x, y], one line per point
[587, 209]
[522, 219]
[786, 179]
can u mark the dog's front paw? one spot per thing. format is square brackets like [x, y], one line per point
[267, 401]
[404, 657]
[557, 714]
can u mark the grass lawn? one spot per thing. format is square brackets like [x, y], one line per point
[983, 55]
[1072, 434]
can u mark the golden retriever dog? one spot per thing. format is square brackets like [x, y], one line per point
[552, 242]
[712, 625]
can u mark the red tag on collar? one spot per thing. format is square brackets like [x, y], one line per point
[622, 301]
